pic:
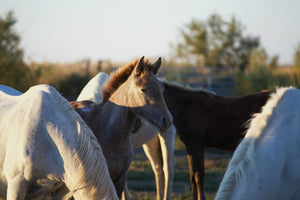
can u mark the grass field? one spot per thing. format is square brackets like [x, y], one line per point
[141, 182]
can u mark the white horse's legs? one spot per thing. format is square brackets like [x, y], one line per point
[153, 152]
[167, 147]
[16, 188]
[160, 152]
[125, 193]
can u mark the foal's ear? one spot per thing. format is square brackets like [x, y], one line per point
[140, 66]
[156, 65]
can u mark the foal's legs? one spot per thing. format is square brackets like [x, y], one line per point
[16, 188]
[153, 152]
[196, 168]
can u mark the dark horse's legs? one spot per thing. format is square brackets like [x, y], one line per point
[196, 168]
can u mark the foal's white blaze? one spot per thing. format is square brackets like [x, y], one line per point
[266, 163]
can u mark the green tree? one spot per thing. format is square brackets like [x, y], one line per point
[273, 62]
[194, 45]
[13, 71]
[297, 56]
[71, 86]
[215, 42]
[258, 59]
[259, 79]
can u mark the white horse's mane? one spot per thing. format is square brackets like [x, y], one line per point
[89, 164]
[245, 153]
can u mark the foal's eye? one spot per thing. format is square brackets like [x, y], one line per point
[143, 90]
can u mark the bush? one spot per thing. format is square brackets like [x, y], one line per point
[258, 80]
[71, 86]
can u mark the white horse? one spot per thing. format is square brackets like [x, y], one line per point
[47, 149]
[9, 90]
[92, 88]
[159, 147]
[266, 163]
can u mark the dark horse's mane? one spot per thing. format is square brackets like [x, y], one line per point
[119, 77]
[180, 89]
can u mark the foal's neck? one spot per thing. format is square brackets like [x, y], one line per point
[111, 124]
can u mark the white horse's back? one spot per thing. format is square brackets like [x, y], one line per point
[92, 90]
[40, 146]
[10, 91]
[22, 133]
[266, 163]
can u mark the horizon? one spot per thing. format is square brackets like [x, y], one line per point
[70, 31]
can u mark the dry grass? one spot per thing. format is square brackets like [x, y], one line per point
[141, 180]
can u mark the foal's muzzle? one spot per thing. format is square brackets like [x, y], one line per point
[166, 122]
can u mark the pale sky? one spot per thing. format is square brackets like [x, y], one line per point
[120, 30]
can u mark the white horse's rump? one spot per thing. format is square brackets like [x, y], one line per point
[266, 163]
[46, 148]
[162, 162]
[92, 90]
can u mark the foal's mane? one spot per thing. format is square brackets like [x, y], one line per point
[245, 153]
[119, 77]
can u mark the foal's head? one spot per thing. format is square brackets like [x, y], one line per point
[137, 87]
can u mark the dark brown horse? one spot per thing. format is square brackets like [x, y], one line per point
[203, 119]
[132, 91]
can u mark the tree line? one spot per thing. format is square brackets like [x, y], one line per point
[14, 72]
[216, 42]
[213, 43]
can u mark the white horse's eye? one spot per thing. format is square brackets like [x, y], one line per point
[144, 90]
